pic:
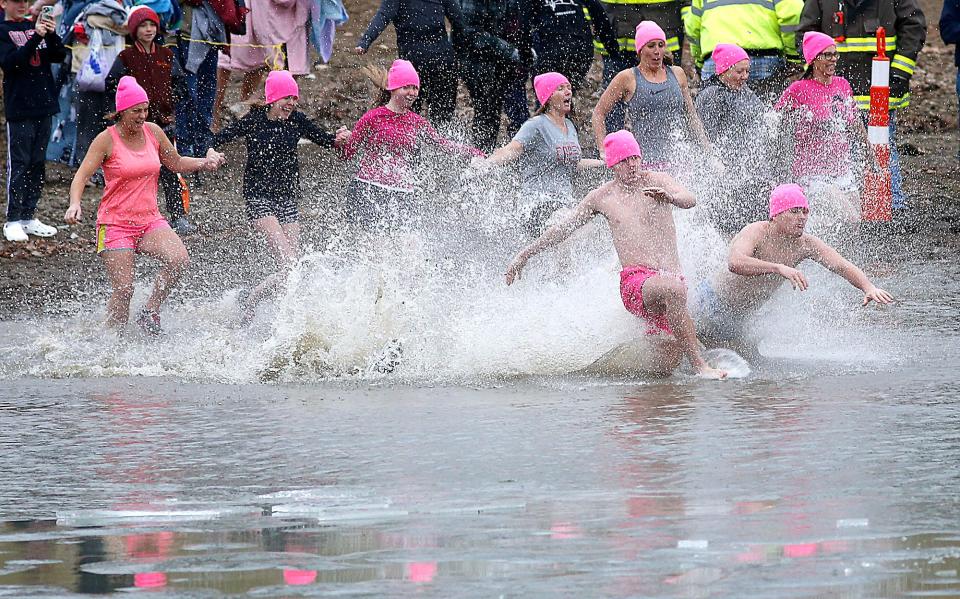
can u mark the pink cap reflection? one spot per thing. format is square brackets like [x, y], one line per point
[421, 571]
[149, 580]
[297, 577]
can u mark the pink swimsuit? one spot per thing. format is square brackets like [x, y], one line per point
[632, 279]
[128, 210]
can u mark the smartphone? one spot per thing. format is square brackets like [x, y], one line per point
[46, 13]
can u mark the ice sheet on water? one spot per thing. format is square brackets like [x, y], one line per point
[107, 517]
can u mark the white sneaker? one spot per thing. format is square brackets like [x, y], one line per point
[38, 229]
[14, 232]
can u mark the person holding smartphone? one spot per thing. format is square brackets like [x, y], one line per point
[27, 50]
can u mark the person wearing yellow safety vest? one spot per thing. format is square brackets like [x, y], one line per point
[853, 24]
[766, 29]
[625, 15]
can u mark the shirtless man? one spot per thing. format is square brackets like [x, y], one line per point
[638, 206]
[762, 256]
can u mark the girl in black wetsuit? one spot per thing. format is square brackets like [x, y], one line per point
[271, 178]
[422, 39]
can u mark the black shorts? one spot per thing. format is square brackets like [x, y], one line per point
[285, 209]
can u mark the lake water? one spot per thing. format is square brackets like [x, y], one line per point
[282, 460]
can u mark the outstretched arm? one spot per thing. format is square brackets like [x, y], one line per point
[741, 260]
[552, 236]
[172, 159]
[833, 261]
[507, 153]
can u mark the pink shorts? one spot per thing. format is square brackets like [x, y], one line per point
[632, 279]
[125, 237]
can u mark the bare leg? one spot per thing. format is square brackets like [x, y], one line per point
[164, 245]
[283, 241]
[223, 82]
[668, 295]
[119, 265]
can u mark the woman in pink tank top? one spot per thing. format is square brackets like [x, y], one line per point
[128, 220]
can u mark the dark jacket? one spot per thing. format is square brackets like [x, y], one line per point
[950, 26]
[29, 91]
[273, 168]
[482, 45]
[418, 22]
[562, 25]
[906, 30]
[160, 75]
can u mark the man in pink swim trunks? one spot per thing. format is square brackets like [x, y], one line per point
[638, 206]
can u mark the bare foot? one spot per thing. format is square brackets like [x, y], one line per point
[707, 372]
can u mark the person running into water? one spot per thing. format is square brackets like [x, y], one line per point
[128, 220]
[638, 206]
[657, 99]
[761, 257]
[823, 123]
[388, 140]
[733, 118]
[271, 178]
[549, 150]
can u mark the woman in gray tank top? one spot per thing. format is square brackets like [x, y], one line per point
[659, 108]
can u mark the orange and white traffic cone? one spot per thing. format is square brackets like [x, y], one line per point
[877, 199]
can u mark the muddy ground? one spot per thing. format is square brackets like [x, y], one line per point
[39, 275]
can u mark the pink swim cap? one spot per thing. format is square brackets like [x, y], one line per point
[402, 74]
[647, 31]
[620, 145]
[726, 55]
[785, 197]
[814, 43]
[546, 84]
[280, 84]
[129, 93]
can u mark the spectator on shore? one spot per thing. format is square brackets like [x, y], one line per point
[282, 25]
[489, 62]
[27, 50]
[422, 39]
[950, 32]
[248, 61]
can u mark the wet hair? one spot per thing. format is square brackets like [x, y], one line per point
[378, 77]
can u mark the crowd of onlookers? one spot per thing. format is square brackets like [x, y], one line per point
[62, 60]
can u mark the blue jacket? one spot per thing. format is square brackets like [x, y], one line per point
[950, 26]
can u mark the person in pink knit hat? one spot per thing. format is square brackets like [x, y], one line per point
[548, 148]
[387, 141]
[660, 110]
[760, 259]
[638, 206]
[733, 118]
[820, 117]
[128, 220]
[271, 178]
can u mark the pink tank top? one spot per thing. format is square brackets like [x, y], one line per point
[130, 197]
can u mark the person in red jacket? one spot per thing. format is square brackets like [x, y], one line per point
[160, 74]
